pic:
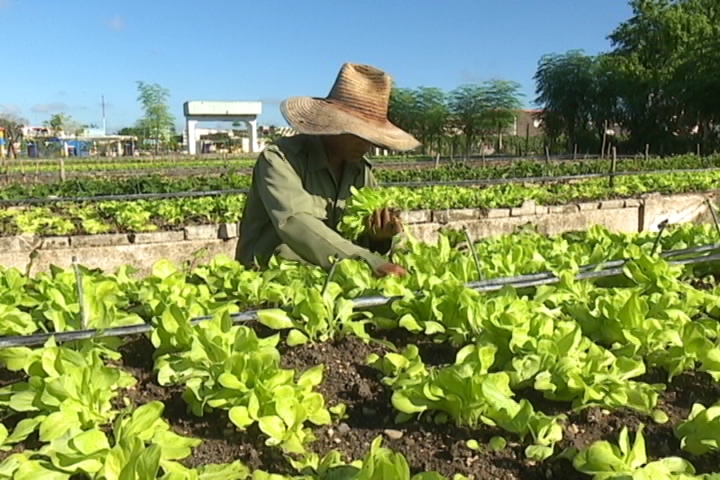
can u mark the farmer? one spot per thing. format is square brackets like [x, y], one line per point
[300, 183]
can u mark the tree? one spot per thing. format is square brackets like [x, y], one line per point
[479, 111]
[13, 126]
[403, 109]
[137, 132]
[566, 88]
[653, 83]
[660, 46]
[158, 122]
[432, 114]
[698, 75]
[503, 100]
[59, 123]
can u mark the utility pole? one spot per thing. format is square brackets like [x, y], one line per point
[104, 126]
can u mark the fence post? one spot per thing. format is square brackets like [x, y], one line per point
[575, 151]
[604, 140]
[613, 165]
[547, 160]
[647, 151]
[527, 139]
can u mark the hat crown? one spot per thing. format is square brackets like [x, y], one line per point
[363, 89]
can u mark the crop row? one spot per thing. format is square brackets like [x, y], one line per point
[72, 165]
[227, 180]
[577, 342]
[65, 218]
[89, 164]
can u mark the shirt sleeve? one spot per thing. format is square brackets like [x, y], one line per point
[290, 208]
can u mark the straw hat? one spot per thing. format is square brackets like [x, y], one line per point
[357, 104]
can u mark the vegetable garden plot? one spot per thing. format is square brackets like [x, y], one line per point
[481, 384]
[231, 179]
[65, 218]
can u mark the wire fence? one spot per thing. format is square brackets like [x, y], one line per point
[23, 171]
[586, 272]
[423, 183]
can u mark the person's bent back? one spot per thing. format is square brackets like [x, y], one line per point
[300, 184]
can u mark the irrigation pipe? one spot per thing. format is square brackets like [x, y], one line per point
[419, 183]
[123, 197]
[594, 267]
[522, 281]
[556, 178]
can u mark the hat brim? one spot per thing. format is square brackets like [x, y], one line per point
[320, 116]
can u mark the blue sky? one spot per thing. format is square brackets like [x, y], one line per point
[70, 52]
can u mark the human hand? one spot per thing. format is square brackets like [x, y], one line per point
[390, 269]
[384, 224]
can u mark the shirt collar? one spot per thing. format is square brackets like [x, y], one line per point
[318, 160]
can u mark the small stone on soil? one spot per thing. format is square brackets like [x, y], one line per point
[393, 434]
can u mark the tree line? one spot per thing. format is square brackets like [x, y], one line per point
[654, 91]
[463, 121]
[155, 129]
[656, 88]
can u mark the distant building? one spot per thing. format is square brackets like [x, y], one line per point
[43, 131]
[271, 130]
[527, 123]
[29, 131]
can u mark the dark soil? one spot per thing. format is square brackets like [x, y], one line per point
[427, 446]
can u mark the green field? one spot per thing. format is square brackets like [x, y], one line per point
[65, 218]
[445, 382]
[232, 179]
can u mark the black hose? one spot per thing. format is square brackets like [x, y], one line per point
[63, 337]
[522, 281]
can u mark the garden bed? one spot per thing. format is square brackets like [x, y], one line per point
[607, 346]
[427, 446]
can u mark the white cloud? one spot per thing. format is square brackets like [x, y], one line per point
[57, 107]
[10, 108]
[51, 107]
[116, 23]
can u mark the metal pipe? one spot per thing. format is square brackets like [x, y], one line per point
[359, 303]
[602, 266]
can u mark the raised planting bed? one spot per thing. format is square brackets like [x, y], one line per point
[186, 230]
[426, 445]
[520, 382]
[66, 218]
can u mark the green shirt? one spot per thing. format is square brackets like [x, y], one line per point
[295, 203]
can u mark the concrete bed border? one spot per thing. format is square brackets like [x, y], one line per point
[141, 250]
